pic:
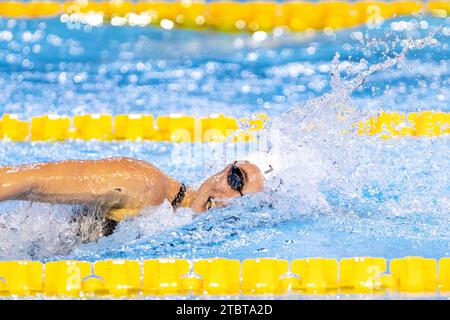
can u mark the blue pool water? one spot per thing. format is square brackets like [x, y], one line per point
[340, 196]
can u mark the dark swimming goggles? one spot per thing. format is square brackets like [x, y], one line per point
[236, 178]
[236, 181]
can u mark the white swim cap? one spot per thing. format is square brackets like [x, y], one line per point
[269, 164]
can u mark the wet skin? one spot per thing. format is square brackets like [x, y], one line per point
[124, 185]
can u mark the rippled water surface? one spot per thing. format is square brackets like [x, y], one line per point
[332, 194]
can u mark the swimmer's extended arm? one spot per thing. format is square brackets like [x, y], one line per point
[125, 185]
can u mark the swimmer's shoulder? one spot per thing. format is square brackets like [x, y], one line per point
[125, 160]
[133, 163]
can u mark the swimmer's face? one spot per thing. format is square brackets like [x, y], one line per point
[235, 180]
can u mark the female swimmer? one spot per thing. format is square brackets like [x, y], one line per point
[122, 185]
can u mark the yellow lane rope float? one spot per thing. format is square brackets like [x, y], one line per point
[229, 16]
[390, 124]
[137, 127]
[215, 128]
[220, 276]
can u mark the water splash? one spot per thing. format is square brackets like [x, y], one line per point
[317, 155]
[35, 231]
[360, 184]
[327, 185]
[43, 231]
[151, 222]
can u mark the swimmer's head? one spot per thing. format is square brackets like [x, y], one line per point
[235, 180]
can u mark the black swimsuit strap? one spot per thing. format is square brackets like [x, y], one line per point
[179, 197]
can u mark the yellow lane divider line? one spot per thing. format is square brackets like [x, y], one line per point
[220, 276]
[182, 128]
[105, 127]
[229, 16]
[415, 124]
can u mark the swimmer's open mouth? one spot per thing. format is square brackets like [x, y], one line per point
[209, 203]
[215, 203]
